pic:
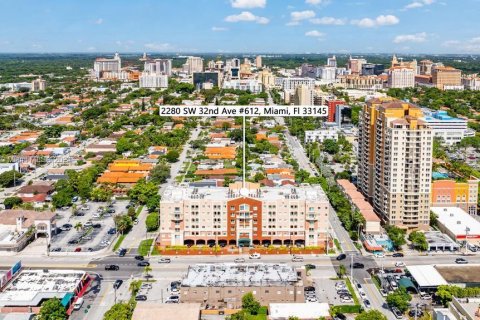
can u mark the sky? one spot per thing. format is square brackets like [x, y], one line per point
[240, 26]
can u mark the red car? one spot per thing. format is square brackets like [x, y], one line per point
[78, 249]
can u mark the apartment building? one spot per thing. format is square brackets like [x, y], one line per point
[193, 64]
[39, 84]
[159, 66]
[102, 65]
[445, 78]
[322, 134]
[252, 85]
[451, 193]
[355, 65]
[290, 84]
[401, 77]
[471, 82]
[395, 161]
[304, 96]
[153, 80]
[355, 81]
[241, 216]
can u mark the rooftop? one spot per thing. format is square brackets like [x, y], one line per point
[234, 274]
[457, 221]
[152, 310]
[300, 310]
[426, 276]
[30, 287]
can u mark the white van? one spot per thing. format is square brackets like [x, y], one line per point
[78, 304]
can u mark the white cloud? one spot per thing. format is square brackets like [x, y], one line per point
[302, 15]
[92, 49]
[247, 4]
[471, 45]
[314, 33]
[158, 46]
[418, 4]
[329, 21]
[219, 29]
[314, 2]
[417, 37]
[382, 20]
[247, 16]
[292, 23]
[99, 21]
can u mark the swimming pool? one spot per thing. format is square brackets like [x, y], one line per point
[439, 175]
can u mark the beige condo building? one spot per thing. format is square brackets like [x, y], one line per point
[446, 77]
[395, 161]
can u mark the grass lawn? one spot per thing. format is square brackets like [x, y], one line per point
[118, 243]
[350, 288]
[139, 210]
[144, 247]
[155, 251]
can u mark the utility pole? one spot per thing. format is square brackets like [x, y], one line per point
[351, 266]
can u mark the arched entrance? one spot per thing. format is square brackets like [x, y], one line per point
[200, 242]
[232, 242]
[277, 242]
[189, 242]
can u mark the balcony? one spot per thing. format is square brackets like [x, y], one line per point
[177, 217]
[311, 217]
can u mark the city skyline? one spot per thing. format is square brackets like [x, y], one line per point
[226, 26]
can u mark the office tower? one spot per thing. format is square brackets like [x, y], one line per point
[235, 63]
[290, 84]
[199, 78]
[193, 64]
[39, 84]
[153, 80]
[267, 78]
[105, 64]
[355, 65]
[332, 62]
[332, 109]
[219, 65]
[258, 61]
[303, 96]
[328, 74]
[159, 66]
[446, 78]
[395, 162]
[401, 77]
[261, 215]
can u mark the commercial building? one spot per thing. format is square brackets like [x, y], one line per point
[450, 129]
[253, 86]
[241, 216]
[395, 161]
[258, 61]
[153, 80]
[426, 277]
[355, 65]
[200, 78]
[102, 65]
[451, 193]
[446, 78]
[425, 67]
[471, 82]
[301, 311]
[290, 84]
[304, 96]
[167, 311]
[332, 108]
[404, 64]
[371, 69]
[457, 224]
[31, 287]
[327, 74]
[356, 81]
[332, 62]
[267, 78]
[226, 283]
[459, 309]
[401, 77]
[158, 66]
[320, 135]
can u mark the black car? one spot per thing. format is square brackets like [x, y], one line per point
[310, 266]
[397, 255]
[122, 252]
[56, 250]
[79, 214]
[111, 210]
[96, 225]
[341, 256]
[73, 241]
[461, 261]
[117, 284]
[139, 258]
[358, 265]
[112, 267]
[340, 316]
[112, 231]
[419, 313]
[141, 297]
[67, 225]
[143, 264]
[309, 289]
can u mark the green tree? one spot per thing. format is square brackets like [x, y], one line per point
[12, 202]
[330, 146]
[151, 222]
[145, 193]
[62, 198]
[101, 194]
[8, 178]
[160, 173]
[250, 304]
[397, 236]
[371, 315]
[301, 175]
[418, 240]
[52, 309]
[147, 270]
[78, 226]
[172, 156]
[119, 311]
[135, 287]
[444, 295]
[341, 271]
[123, 223]
[400, 299]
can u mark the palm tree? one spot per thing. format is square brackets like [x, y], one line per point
[78, 226]
[74, 209]
[147, 270]
[135, 286]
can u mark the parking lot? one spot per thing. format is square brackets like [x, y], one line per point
[92, 228]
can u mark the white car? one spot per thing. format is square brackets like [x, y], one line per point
[399, 264]
[346, 300]
[379, 255]
[255, 256]
[312, 299]
[239, 260]
[164, 260]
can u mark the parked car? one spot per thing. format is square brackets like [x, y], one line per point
[112, 231]
[117, 284]
[310, 266]
[88, 224]
[145, 286]
[56, 249]
[173, 299]
[341, 256]
[399, 264]
[297, 259]
[112, 267]
[379, 255]
[143, 264]
[122, 252]
[397, 313]
[358, 265]
[397, 255]
[164, 260]
[418, 313]
[367, 303]
[97, 225]
[141, 297]
[67, 225]
[306, 289]
[139, 258]
[239, 260]
[340, 316]
[78, 249]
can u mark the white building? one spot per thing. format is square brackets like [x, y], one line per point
[153, 80]
[4, 167]
[401, 77]
[290, 84]
[39, 85]
[159, 66]
[471, 82]
[193, 64]
[321, 135]
[457, 224]
[246, 84]
[450, 129]
[328, 74]
[105, 64]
